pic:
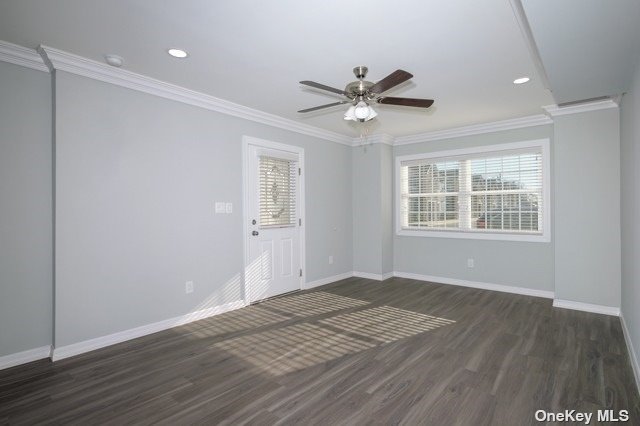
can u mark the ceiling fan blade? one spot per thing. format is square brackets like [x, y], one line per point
[392, 80]
[323, 106]
[411, 102]
[323, 87]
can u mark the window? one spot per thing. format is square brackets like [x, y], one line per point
[493, 192]
[277, 192]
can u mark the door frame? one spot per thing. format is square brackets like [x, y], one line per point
[263, 143]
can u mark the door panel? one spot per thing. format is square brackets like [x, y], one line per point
[266, 260]
[287, 257]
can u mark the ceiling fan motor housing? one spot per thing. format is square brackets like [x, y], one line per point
[358, 89]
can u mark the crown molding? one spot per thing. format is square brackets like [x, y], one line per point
[617, 99]
[557, 110]
[475, 129]
[64, 61]
[22, 56]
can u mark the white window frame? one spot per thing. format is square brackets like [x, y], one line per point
[545, 236]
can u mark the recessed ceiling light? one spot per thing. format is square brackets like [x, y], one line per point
[177, 53]
[521, 80]
[114, 60]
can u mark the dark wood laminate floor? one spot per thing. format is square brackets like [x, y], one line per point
[353, 352]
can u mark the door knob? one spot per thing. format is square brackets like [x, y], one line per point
[254, 233]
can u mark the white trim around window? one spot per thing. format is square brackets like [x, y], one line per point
[541, 145]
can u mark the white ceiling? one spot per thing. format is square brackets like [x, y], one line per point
[589, 47]
[463, 53]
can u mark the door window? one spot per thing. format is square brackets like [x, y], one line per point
[277, 192]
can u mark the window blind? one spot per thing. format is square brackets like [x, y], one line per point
[277, 192]
[486, 192]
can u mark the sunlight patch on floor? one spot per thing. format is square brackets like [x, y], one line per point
[292, 348]
[299, 346]
[310, 304]
[230, 322]
[386, 323]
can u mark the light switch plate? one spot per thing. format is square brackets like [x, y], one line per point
[229, 208]
[220, 207]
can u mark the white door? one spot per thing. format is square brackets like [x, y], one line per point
[273, 192]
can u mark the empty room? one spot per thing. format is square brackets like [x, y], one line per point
[319, 213]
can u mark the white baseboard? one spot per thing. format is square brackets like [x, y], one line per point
[367, 275]
[633, 357]
[122, 336]
[328, 280]
[476, 284]
[24, 357]
[587, 307]
[377, 277]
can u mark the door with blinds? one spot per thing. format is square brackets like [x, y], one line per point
[274, 264]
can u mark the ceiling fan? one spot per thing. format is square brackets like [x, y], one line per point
[360, 93]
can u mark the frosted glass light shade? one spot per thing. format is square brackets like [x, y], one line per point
[350, 114]
[362, 110]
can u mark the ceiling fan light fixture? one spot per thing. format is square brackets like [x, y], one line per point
[350, 114]
[372, 114]
[362, 110]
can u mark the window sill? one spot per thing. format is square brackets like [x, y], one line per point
[540, 238]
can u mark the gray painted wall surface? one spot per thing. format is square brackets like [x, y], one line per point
[373, 209]
[137, 178]
[367, 213]
[386, 192]
[587, 207]
[25, 209]
[630, 203]
[519, 264]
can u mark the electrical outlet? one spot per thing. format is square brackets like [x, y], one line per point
[188, 287]
[220, 207]
[229, 207]
[330, 260]
[470, 263]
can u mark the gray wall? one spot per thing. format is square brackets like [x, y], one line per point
[25, 209]
[373, 209]
[519, 264]
[136, 181]
[587, 207]
[367, 214]
[386, 206]
[630, 203]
